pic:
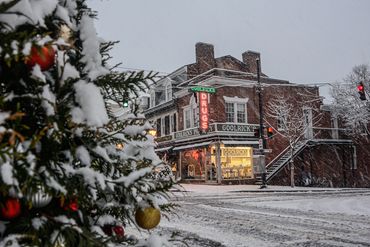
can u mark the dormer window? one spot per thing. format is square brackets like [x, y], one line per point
[168, 91]
[161, 93]
[152, 98]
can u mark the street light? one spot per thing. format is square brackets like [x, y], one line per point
[261, 141]
[119, 146]
[152, 132]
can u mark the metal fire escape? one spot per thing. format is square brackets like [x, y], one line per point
[283, 159]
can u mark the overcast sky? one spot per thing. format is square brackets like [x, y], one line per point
[303, 41]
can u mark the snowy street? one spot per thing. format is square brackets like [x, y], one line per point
[220, 216]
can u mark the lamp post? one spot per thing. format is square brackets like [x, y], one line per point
[261, 141]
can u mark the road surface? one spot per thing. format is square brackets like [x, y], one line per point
[308, 218]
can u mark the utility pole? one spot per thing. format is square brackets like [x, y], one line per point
[261, 141]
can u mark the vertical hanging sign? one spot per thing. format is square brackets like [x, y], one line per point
[203, 112]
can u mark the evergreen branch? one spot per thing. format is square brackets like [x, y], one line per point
[5, 6]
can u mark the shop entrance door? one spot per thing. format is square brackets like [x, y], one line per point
[210, 168]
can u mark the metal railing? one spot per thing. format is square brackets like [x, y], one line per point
[330, 133]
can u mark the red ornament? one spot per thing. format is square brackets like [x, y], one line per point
[70, 205]
[73, 205]
[43, 56]
[11, 208]
[119, 231]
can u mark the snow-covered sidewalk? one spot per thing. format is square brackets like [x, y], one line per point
[220, 189]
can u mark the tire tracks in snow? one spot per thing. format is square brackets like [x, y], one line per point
[234, 223]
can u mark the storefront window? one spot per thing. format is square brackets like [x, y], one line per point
[236, 162]
[192, 164]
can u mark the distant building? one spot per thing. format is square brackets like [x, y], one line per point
[206, 115]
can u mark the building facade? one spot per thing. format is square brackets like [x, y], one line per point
[207, 121]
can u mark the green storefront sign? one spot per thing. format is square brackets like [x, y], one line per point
[203, 89]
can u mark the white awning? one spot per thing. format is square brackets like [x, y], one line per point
[162, 149]
[192, 146]
[240, 142]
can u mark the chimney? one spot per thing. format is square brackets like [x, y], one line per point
[205, 56]
[249, 58]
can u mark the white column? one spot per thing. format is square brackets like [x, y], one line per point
[218, 163]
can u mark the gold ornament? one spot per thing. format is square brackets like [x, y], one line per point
[147, 218]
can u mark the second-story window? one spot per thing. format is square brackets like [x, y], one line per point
[167, 125]
[191, 114]
[195, 116]
[240, 113]
[173, 123]
[236, 109]
[187, 118]
[229, 112]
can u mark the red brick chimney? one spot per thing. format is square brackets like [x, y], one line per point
[249, 58]
[205, 56]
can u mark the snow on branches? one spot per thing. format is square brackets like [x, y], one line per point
[347, 103]
[57, 138]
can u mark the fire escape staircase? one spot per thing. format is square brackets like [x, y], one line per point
[280, 161]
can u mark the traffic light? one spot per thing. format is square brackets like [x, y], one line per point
[257, 133]
[361, 91]
[270, 132]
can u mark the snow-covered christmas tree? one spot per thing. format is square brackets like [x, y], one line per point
[72, 173]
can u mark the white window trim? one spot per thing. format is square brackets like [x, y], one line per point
[152, 98]
[192, 105]
[236, 100]
[172, 118]
[187, 108]
[162, 126]
[168, 87]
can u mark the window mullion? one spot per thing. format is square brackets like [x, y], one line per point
[235, 112]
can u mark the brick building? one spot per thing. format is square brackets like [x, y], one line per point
[206, 115]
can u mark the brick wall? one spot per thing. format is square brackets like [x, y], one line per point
[327, 163]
